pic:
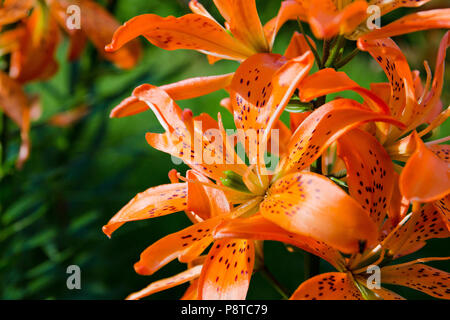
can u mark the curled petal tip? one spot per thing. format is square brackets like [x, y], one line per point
[110, 47]
[142, 88]
[107, 231]
[141, 269]
[187, 115]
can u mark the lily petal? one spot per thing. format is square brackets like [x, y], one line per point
[328, 81]
[191, 31]
[174, 245]
[429, 224]
[181, 90]
[298, 46]
[14, 10]
[322, 127]
[152, 203]
[157, 286]
[192, 292]
[227, 270]
[261, 88]
[34, 59]
[196, 87]
[423, 20]
[15, 104]
[312, 205]
[396, 67]
[425, 177]
[432, 99]
[386, 294]
[128, 107]
[259, 228]
[420, 277]
[187, 137]
[388, 6]
[326, 21]
[99, 26]
[444, 206]
[370, 173]
[243, 20]
[206, 202]
[328, 286]
[289, 10]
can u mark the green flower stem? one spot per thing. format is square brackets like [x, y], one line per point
[314, 51]
[340, 41]
[346, 59]
[327, 44]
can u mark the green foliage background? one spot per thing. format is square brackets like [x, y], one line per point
[77, 178]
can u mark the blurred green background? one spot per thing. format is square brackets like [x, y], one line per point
[77, 178]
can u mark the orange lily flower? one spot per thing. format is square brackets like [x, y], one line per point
[329, 18]
[35, 43]
[409, 103]
[97, 25]
[16, 105]
[32, 45]
[261, 96]
[200, 31]
[414, 106]
[257, 105]
[14, 10]
[370, 179]
[353, 281]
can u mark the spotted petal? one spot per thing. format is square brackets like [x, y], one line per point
[174, 245]
[181, 90]
[328, 286]
[227, 270]
[187, 137]
[262, 87]
[402, 101]
[423, 20]
[427, 224]
[259, 228]
[420, 277]
[386, 294]
[157, 286]
[370, 173]
[322, 127]
[153, 202]
[191, 31]
[444, 206]
[312, 205]
[432, 98]
[388, 6]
